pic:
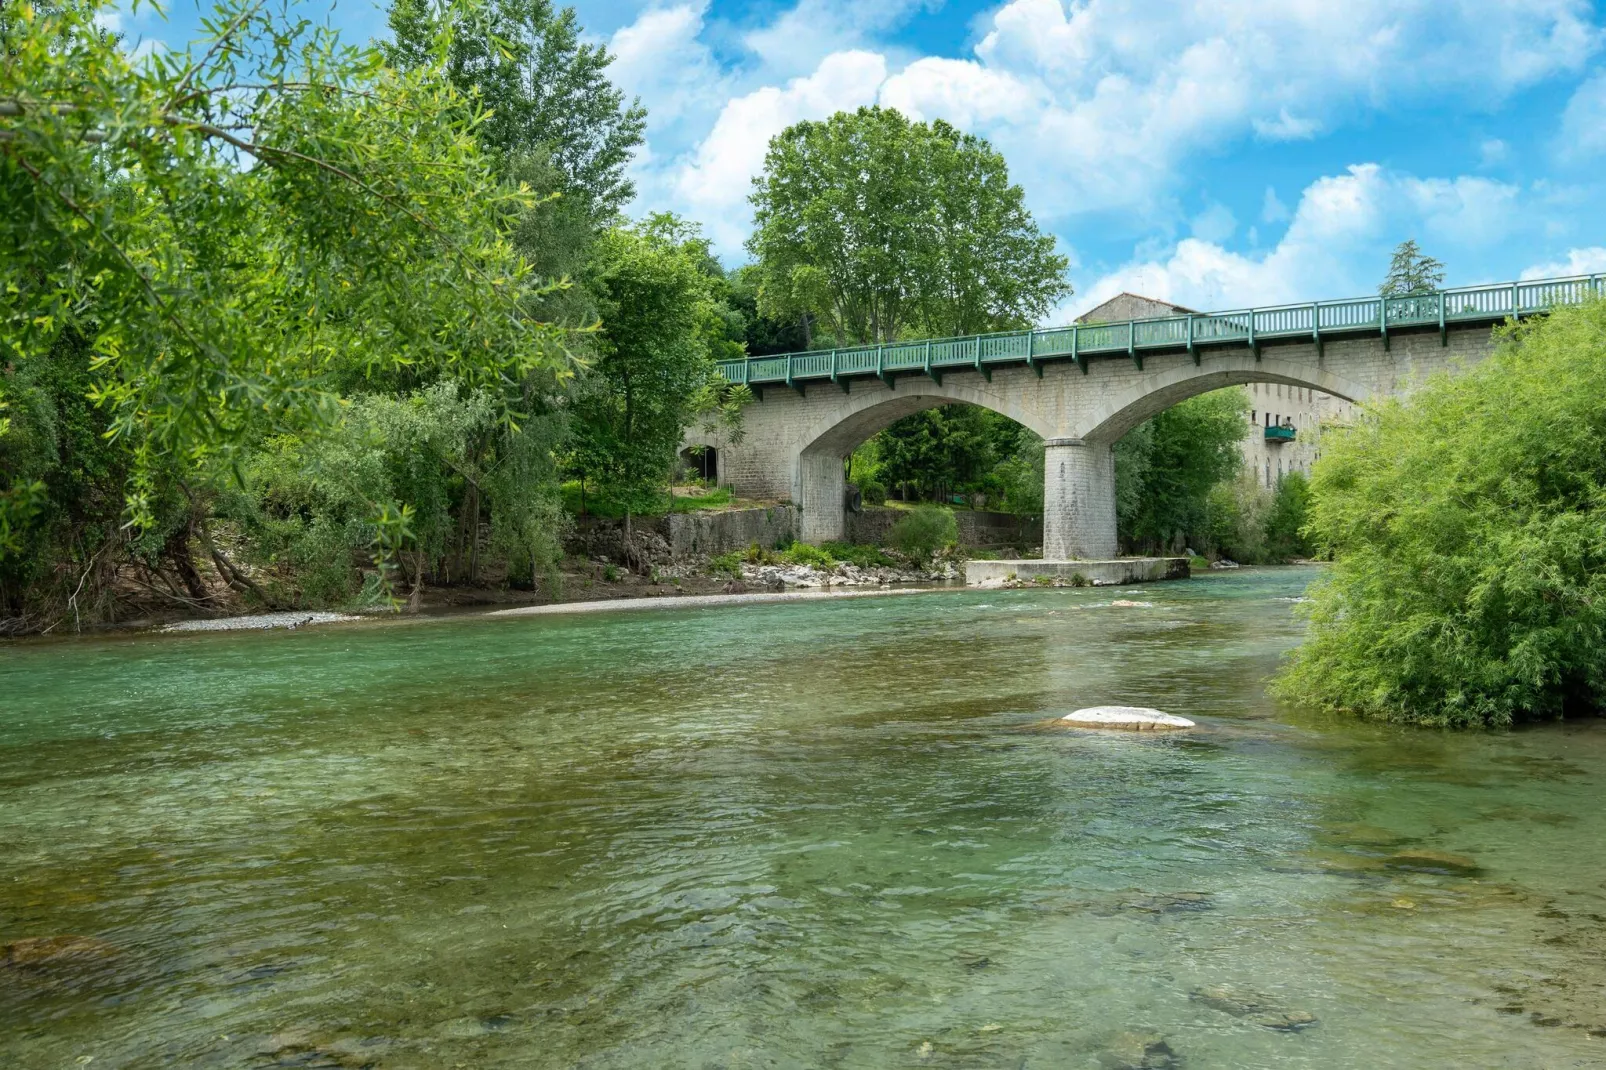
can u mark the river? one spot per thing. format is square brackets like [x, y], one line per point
[810, 834]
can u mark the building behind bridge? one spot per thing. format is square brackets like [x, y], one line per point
[1271, 405]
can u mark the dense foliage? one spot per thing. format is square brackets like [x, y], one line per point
[1468, 529]
[295, 317]
[1166, 467]
[663, 327]
[542, 90]
[201, 307]
[922, 531]
[879, 228]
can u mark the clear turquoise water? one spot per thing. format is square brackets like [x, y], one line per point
[799, 835]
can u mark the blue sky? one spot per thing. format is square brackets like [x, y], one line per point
[1216, 153]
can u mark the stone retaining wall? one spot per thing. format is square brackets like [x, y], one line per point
[689, 534]
[719, 532]
[978, 529]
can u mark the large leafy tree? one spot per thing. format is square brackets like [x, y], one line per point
[210, 248]
[1468, 529]
[663, 327]
[878, 228]
[544, 90]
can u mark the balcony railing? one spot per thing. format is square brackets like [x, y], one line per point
[1279, 434]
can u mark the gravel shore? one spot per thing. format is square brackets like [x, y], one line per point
[291, 621]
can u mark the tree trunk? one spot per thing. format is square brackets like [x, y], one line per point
[416, 599]
[177, 550]
[231, 575]
[474, 535]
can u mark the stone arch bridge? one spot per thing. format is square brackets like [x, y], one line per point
[1081, 388]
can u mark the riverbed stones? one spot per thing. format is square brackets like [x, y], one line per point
[43, 952]
[1138, 1051]
[1430, 861]
[1127, 718]
[1252, 1007]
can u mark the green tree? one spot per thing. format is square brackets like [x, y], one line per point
[654, 372]
[1467, 526]
[545, 91]
[1411, 271]
[879, 228]
[1286, 519]
[202, 307]
[1165, 468]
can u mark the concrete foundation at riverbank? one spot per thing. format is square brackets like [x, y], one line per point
[1076, 573]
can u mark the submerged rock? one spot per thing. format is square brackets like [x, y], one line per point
[1434, 862]
[1252, 1007]
[1138, 1051]
[37, 952]
[1130, 718]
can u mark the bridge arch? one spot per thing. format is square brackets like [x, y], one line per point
[1112, 417]
[820, 483]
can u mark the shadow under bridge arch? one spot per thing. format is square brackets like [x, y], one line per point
[821, 484]
[1106, 422]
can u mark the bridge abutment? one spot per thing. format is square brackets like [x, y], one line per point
[1078, 500]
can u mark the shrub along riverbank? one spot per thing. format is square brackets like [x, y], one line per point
[1467, 526]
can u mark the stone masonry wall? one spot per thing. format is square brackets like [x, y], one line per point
[978, 529]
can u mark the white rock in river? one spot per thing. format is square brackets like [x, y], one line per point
[1131, 718]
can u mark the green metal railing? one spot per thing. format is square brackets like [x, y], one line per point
[1316, 321]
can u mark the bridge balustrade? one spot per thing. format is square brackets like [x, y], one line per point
[1314, 320]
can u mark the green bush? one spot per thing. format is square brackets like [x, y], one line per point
[923, 531]
[801, 553]
[757, 555]
[730, 564]
[1467, 527]
[1286, 518]
[872, 492]
[861, 556]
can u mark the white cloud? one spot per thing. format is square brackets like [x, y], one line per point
[1342, 224]
[1590, 261]
[1099, 105]
[1583, 124]
[1493, 151]
[801, 37]
[1215, 224]
[660, 59]
[966, 94]
[1286, 127]
[1272, 210]
[716, 180]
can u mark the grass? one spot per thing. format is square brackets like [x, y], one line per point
[1197, 562]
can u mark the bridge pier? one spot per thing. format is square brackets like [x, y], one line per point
[1078, 500]
[823, 487]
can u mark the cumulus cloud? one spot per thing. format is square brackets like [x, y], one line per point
[1583, 124]
[716, 181]
[1342, 222]
[1099, 105]
[659, 58]
[801, 37]
[1590, 261]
